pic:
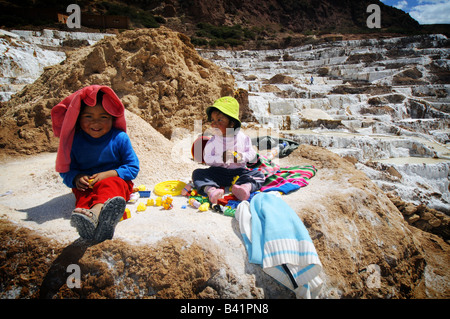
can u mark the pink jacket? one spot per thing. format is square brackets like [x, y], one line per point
[218, 144]
[65, 115]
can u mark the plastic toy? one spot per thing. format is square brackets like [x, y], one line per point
[218, 208]
[173, 188]
[229, 211]
[90, 183]
[134, 198]
[167, 202]
[201, 199]
[144, 194]
[150, 202]
[158, 201]
[141, 207]
[204, 207]
[126, 214]
[224, 200]
[194, 203]
[186, 190]
[234, 181]
[167, 205]
[142, 189]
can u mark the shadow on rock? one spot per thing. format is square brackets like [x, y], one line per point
[57, 275]
[59, 207]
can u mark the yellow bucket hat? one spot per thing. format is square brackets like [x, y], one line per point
[227, 105]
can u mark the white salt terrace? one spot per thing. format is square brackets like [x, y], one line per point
[419, 148]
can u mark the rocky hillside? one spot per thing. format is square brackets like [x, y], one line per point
[297, 16]
[236, 23]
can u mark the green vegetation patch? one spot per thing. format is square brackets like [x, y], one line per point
[224, 36]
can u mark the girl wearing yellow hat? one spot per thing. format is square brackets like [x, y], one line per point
[227, 153]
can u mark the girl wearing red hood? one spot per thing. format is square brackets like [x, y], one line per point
[95, 158]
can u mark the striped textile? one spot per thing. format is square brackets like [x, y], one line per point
[282, 179]
[288, 179]
[276, 239]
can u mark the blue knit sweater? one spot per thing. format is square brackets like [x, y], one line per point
[112, 151]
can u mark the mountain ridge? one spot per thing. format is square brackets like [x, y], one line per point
[243, 23]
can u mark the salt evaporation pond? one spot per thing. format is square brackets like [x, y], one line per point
[359, 106]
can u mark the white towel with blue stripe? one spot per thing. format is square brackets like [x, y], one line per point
[277, 239]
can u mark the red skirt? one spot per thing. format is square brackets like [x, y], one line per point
[102, 191]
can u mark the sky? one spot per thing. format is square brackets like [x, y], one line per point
[424, 11]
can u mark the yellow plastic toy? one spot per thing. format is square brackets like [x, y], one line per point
[141, 207]
[167, 202]
[142, 188]
[158, 201]
[234, 181]
[150, 202]
[126, 214]
[173, 188]
[204, 207]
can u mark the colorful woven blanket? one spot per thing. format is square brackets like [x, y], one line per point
[283, 179]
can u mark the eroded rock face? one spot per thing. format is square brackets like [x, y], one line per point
[156, 72]
[356, 229]
[172, 269]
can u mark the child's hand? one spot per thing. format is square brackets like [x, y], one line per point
[82, 182]
[232, 157]
[93, 179]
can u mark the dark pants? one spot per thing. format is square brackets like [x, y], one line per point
[223, 177]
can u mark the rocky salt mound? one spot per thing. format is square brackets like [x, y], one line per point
[366, 247]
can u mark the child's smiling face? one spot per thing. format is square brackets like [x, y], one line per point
[221, 121]
[95, 121]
